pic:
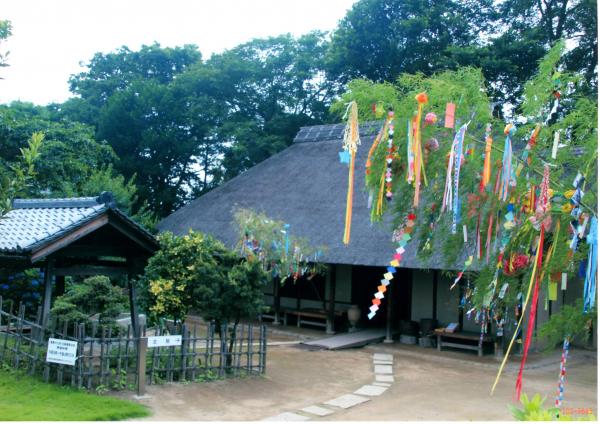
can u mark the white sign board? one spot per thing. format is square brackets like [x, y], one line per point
[61, 351]
[162, 341]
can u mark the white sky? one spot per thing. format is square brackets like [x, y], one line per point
[51, 37]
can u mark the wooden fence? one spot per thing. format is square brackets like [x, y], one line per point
[110, 358]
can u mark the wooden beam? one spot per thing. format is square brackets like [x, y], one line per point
[330, 328]
[70, 238]
[127, 231]
[48, 275]
[110, 271]
[90, 250]
[390, 313]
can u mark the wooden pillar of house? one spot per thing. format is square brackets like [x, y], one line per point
[60, 285]
[276, 300]
[133, 309]
[389, 336]
[330, 327]
[47, 301]
[460, 308]
[436, 274]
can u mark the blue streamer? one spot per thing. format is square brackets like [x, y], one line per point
[589, 288]
[460, 136]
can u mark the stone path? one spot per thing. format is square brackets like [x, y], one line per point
[383, 365]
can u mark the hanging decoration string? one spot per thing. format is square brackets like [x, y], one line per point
[421, 100]
[350, 145]
[485, 176]
[509, 131]
[531, 282]
[560, 392]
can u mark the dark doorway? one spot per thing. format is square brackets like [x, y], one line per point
[365, 280]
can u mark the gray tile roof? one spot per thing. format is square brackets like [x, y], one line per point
[33, 221]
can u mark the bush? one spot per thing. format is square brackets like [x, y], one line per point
[198, 272]
[93, 296]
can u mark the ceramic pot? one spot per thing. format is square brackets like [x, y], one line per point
[353, 315]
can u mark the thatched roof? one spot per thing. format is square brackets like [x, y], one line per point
[304, 186]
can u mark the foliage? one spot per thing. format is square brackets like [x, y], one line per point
[380, 39]
[22, 287]
[197, 272]
[93, 295]
[272, 243]
[67, 157]
[5, 32]
[568, 322]
[24, 398]
[16, 177]
[533, 410]
[183, 125]
[575, 119]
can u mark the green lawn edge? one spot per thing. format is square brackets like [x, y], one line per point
[23, 398]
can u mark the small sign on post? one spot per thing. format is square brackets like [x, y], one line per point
[163, 341]
[62, 352]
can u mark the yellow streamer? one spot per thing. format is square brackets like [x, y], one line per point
[421, 100]
[351, 142]
[539, 251]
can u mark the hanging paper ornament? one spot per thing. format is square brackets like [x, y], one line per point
[450, 200]
[381, 135]
[432, 145]
[485, 175]
[520, 311]
[421, 100]
[430, 118]
[449, 116]
[389, 159]
[525, 159]
[589, 287]
[532, 316]
[560, 392]
[350, 145]
[402, 237]
[509, 131]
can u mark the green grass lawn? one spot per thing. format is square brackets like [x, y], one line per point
[24, 398]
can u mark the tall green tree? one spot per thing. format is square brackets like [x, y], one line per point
[380, 39]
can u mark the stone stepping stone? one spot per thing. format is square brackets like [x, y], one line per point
[383, 357]
[375, 362]
[379, 383]
[347, 401]
[384, 378]
[317, 410]
[384, 369]
[288, 416]
[369, 390]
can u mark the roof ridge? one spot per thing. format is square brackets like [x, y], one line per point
[105, 198]
[326, 132]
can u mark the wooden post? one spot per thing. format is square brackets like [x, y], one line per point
[48, 274]
[60, 285]
[141, 366]
[389, 337]
[435, 288]
[330, 326]
[133, 310]
[276, 300]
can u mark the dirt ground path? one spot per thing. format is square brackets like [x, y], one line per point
[428, 386]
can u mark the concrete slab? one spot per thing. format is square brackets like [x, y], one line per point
[347, 340]
[384, 369]
[375, 362]
[288, 416]
[369, 390]
[317, 410]
[384, 378]
[347, 401]
[383, 357]
[379, 383]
